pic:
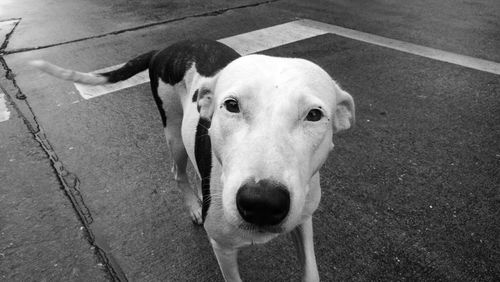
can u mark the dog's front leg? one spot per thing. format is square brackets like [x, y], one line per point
[228, 261]
[302, 236]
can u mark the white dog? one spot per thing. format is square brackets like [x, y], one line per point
[256, 128]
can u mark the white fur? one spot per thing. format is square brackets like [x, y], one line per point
[71, 75]
[269, 138]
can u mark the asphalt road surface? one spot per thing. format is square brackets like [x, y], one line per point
[411, 193]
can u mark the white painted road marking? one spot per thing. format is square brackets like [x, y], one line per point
[4, 111]
[431, 53]
[270, 37]
[274, 36]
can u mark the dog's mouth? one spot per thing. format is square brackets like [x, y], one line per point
[252, 228]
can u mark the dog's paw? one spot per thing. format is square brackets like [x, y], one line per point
[193, 204]
[192, 201]
[196, 215]
[194, 207]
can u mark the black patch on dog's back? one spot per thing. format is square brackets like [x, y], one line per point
[203, 156]
[209, 56]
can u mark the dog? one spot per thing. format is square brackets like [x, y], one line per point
[257, 130]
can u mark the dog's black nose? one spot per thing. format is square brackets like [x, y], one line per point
[263, 203]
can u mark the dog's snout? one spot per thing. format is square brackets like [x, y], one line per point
[263, 203]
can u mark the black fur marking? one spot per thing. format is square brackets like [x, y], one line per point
[203, 156]
[195, 96]
[209, 56]
[159, 103]
[131, 68]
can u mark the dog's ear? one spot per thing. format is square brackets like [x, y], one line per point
[343, 117]
[204, 103]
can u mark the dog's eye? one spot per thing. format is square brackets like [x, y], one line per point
[314, 115]
[232, 105]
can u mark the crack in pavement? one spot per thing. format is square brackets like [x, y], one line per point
[7, 36]
[9, 75]
[69, 184]
[8, 72]
[199, 15]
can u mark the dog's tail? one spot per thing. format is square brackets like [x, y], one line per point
[128, 70]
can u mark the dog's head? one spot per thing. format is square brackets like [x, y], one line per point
[271, 131]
